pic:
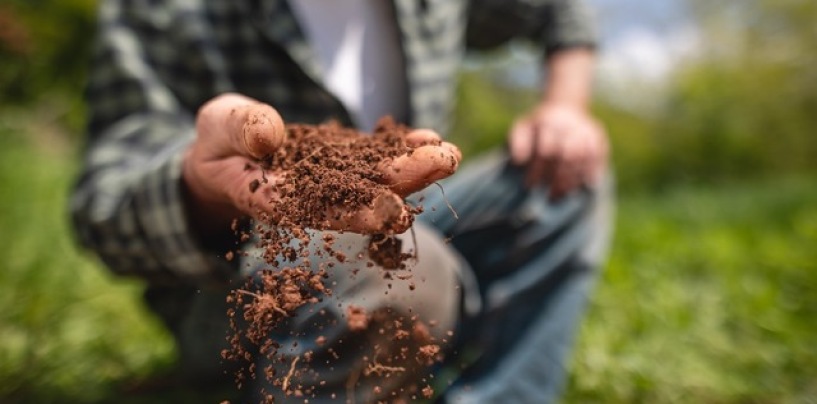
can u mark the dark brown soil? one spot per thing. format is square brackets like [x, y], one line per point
[322, 174]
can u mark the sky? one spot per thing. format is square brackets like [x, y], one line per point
[643, 39]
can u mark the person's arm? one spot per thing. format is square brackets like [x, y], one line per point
[129, 204]
[569, 77]
[558, 142]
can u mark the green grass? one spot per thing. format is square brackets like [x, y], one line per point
[710, 295]
[68, 330]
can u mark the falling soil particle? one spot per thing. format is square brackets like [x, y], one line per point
[356, 318]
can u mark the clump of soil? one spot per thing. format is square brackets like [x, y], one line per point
[321, 175]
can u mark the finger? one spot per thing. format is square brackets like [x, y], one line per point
[426, 137]
[388, 214]
[425, 165]
[569, 166]
[521, 142]
[262, 130]
[236, 125]
[546, 149]
[422, 137]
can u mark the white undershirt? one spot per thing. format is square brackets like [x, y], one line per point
[357, 46]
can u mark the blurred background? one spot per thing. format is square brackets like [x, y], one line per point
[710, 295]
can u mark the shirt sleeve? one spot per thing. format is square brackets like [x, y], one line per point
[128, 203]
[551, 24]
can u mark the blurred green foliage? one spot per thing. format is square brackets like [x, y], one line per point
[44, 49]
[708, 298]
[746, 106]
[68, 329]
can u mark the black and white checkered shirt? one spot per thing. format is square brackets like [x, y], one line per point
[157, 61]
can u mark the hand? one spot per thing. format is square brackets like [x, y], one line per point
[560, 145]
[234, 132]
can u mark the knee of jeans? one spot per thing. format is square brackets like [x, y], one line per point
[426, 290]
[376, 316]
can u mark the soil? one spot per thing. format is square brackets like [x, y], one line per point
[321, 173]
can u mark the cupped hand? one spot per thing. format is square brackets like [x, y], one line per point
[560, 146]
[234, 132]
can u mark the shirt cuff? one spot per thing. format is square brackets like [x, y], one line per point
[573, 26]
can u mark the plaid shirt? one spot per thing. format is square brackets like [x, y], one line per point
[157, 61]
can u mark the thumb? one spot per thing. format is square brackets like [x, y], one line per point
[237, 125]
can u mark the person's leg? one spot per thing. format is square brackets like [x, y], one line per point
[534, 261]
[330, 362]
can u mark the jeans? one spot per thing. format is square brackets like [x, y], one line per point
[510, 271]
[533, 263]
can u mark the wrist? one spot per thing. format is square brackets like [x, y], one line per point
[569, 78]
[574, 95]
[561, 108]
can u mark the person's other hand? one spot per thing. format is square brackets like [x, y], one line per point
[234, 132]
[560, 145]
